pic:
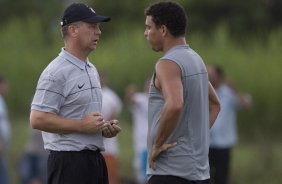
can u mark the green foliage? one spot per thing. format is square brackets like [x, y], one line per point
[126, 57]
[249, 18]
[23, 56]
[254, 66]
[30, 39]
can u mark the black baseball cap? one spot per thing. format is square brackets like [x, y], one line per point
[81, 12]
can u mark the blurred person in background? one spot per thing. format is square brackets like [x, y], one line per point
[182, 103]
[138, 103]
[4, 133]
[223, 135]
[33, 161]
[67, 104]
[111, 108]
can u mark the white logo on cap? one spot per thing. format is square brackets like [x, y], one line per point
[92, 10]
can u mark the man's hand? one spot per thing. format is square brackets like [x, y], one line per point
[111, 129]
[155, 152]
[92, 123]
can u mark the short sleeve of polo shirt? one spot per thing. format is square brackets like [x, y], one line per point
[49, 95]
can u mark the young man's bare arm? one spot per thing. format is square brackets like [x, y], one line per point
[168, 80]
[214, 105]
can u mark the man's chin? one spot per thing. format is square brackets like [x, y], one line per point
[93, 48]
[156, 50]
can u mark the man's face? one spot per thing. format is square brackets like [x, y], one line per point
[213, 77]
[88, 35]
[3, 88]
[153, 35]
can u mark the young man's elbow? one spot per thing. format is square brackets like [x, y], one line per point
[177, 107]
[218, 106]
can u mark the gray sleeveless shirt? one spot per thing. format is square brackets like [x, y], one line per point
[189, 158]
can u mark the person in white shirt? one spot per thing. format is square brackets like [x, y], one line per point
[111, 108]
[138, 102]
[4, 133]
[223, 134]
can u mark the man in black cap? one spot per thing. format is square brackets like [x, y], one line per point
[67, 104]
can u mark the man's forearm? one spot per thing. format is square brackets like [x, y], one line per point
[168, 122]
[52, 123]
[214, 110]
[214, 105]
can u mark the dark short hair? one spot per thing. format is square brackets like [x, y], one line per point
[219, 71]
[170, 14]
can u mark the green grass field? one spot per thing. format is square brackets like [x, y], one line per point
[254, 162]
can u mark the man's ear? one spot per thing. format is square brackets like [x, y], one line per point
[73, 30]
[163, 30]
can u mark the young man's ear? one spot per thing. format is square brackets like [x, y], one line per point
[164, 30]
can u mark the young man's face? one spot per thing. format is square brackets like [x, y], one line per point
[153, 34]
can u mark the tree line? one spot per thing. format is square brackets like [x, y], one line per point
[242, 18]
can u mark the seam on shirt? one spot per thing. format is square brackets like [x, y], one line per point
[195, 74]
[51, 92]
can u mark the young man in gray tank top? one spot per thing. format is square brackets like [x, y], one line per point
[182, 103]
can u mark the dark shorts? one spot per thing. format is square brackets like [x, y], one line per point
[74, 167]
[167, 179]
[219, 165]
